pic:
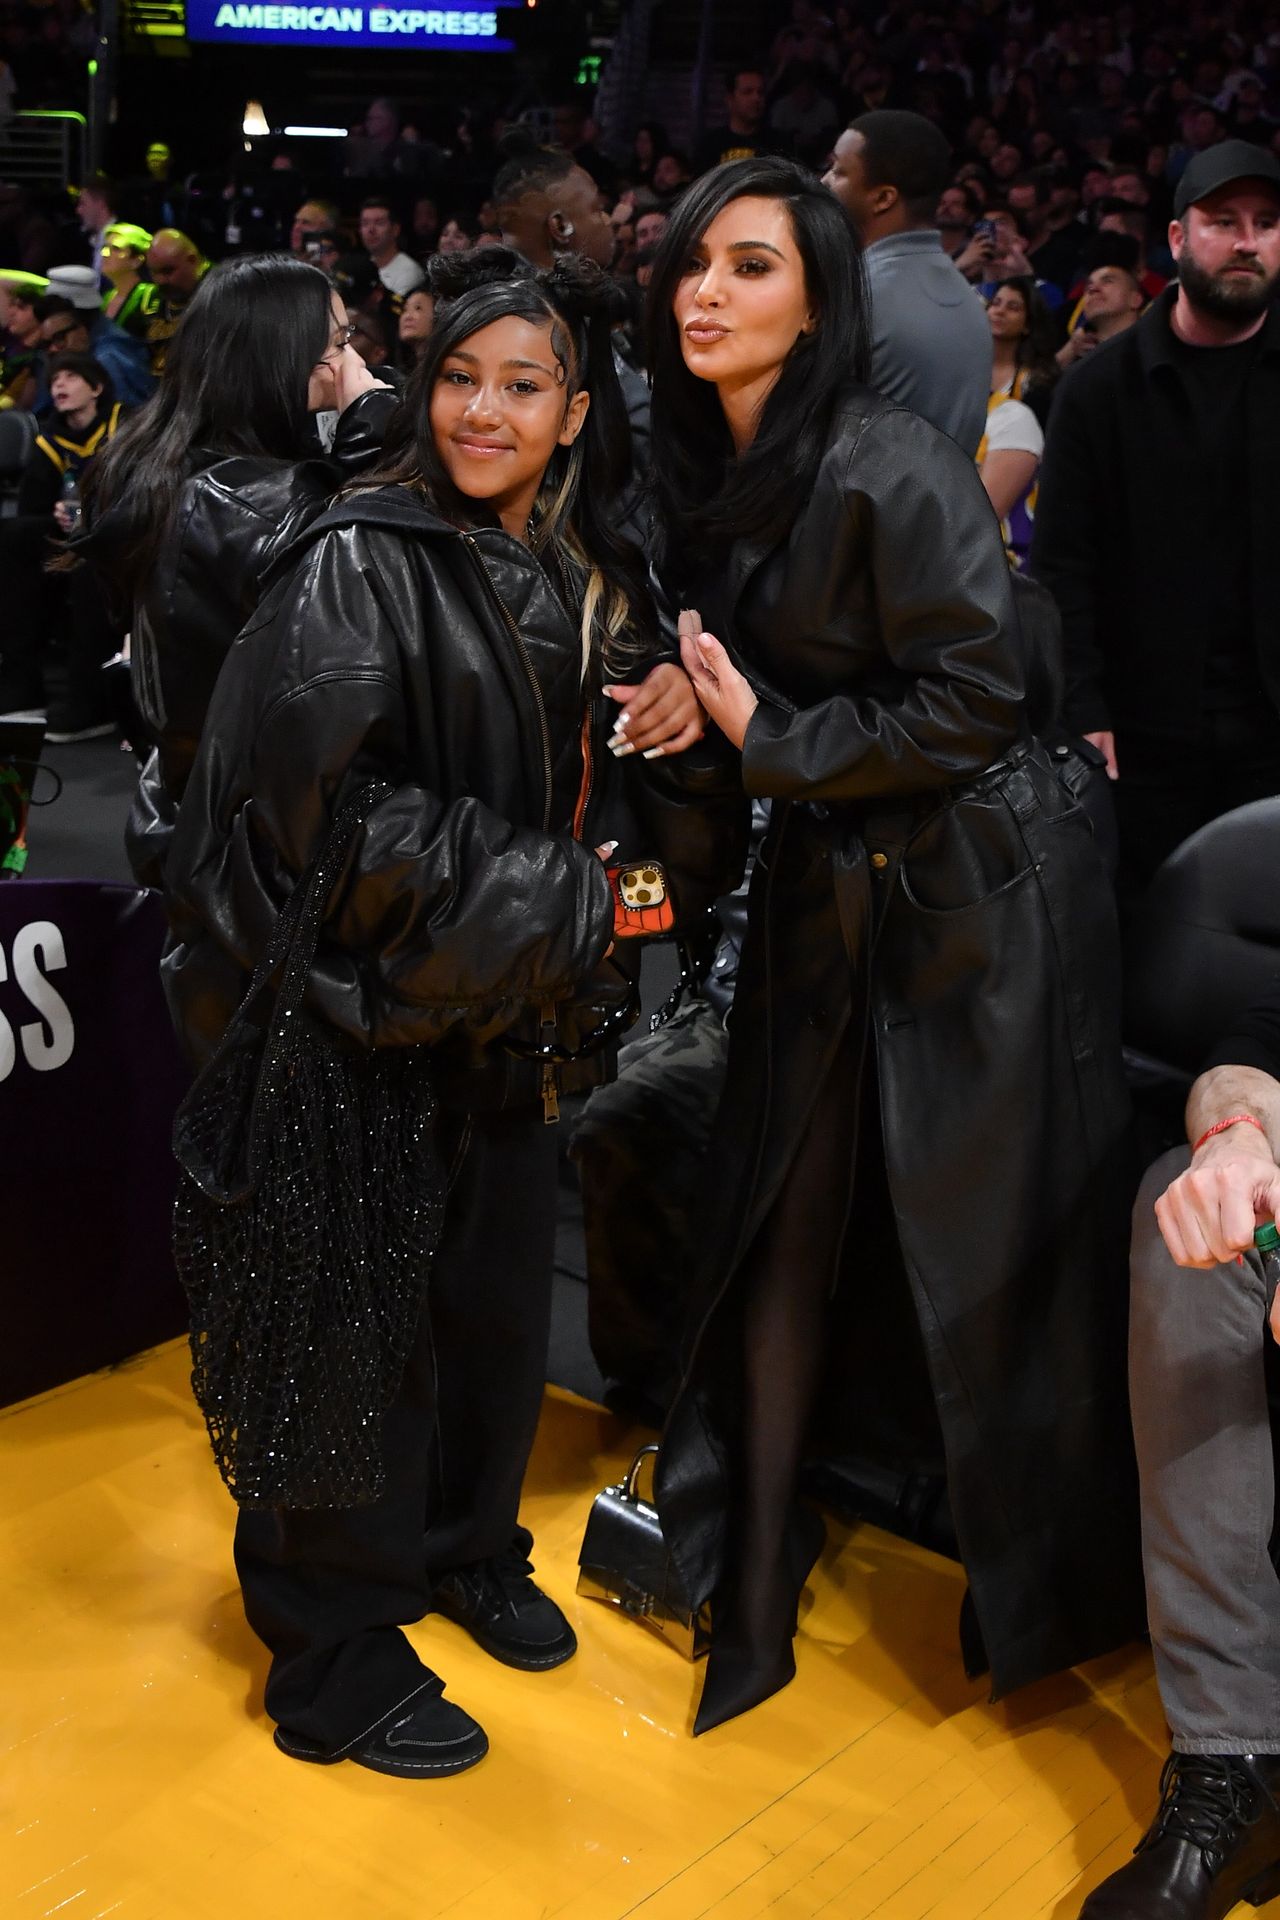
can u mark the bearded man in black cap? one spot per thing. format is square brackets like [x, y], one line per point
[1155, 526]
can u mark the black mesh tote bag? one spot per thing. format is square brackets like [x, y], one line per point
[309, 1206]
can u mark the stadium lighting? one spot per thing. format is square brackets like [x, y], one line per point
[255, 120]
[316, 133]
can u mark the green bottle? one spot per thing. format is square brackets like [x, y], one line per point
[1266, 1240]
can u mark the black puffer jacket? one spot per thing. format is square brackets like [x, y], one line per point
[235, 517]
[446, 663]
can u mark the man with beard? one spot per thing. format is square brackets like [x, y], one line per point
[1155, 525]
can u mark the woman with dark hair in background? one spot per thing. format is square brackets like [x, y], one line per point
[204, 488]
[1024, 340]
[912, 1173]
[414, 327]
[451, 628]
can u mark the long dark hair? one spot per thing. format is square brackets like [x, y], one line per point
[705, 497]
[1036, 352]
[575, 516]
[235, 382]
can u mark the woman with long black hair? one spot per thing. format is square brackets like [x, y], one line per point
[206, 485]
[913, 1181]
[451, 628]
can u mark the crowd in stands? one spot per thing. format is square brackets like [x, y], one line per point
[1070, 232]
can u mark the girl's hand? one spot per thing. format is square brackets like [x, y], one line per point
[722, 690]
[351, 378]
[660, 716]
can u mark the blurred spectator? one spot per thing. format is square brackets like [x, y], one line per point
[958, 207]
[1024, 338]
[1008, 459]
[744, 133]
[155, 200]
[1110, 304]
[72, 321]
[380, 238]
[312, 217]
[455, 236]
[1054, 238]
[177, 267]
[133, 301]
[931, 349]
[326, 248]
[576, 133]
[97, 208]
[649, 144]
[417, 317]
[649, 228]
[1155, 528]
[670, 177]
[1119, 216]
[20, 330]
[82, 416]
[1009, 259]
[424, 226]
[376, 150]
[804, 117]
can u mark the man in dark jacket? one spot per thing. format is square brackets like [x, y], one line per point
[1155, 523]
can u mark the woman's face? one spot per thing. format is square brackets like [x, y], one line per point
[499, 408]
[1007, 314]
[452, 238]
[416, 316]
[120, 262]
[644, 147]
[321, 397]
[741, 302]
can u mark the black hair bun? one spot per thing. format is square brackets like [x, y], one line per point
[450, 275]
[583, 289]
[520, 142]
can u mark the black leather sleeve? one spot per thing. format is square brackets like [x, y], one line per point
[361, 430]
[449, 912]
[916, 514]
[1065, 549]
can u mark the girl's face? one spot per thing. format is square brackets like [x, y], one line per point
[499, 408]
[1007, 314]
[452, 238]
[416, 316]
[321, 397]
[741, 302]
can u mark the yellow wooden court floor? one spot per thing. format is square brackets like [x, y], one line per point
[139, 1778]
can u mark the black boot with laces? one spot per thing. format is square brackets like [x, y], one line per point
[1215, 1841]
[505, 1613]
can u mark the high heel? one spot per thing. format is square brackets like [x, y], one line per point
[752, 1660]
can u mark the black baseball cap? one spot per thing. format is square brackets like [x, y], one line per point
[1218, 167]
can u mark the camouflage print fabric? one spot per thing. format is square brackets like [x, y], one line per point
[639, 1147]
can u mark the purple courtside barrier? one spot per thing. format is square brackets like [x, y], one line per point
[90, 1075]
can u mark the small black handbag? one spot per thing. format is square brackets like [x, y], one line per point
[309, 1207]
[626, 1562]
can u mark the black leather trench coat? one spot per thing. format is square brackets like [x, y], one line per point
[929, 902]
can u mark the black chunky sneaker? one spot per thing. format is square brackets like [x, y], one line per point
[425, 1739]
[500, 1607]
[1215, 1841]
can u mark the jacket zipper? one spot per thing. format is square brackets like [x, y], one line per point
[526, 663]
[547, 1015]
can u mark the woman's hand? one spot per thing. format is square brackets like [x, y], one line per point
[351, 378]
[660, 716]
[722, 690]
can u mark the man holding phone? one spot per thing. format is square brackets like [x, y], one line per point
[1110, 304]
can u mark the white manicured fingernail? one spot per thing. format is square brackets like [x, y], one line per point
[620, 753]
[654, 753]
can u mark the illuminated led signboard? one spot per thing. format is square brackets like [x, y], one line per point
[373, 23]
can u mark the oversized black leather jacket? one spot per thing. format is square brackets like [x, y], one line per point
[445, 662]
[235, 517]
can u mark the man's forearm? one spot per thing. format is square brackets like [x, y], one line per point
[1224, 1091]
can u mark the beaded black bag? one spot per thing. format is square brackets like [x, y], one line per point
[309, 1207]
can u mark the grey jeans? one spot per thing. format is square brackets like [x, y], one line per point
[1203, 1433]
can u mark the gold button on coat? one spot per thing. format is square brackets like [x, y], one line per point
[879, 860]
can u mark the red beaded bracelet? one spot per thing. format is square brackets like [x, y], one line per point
[1236, 1120]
